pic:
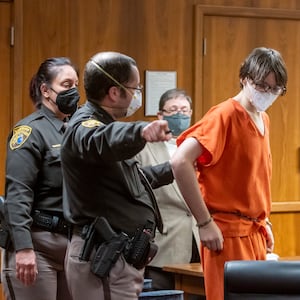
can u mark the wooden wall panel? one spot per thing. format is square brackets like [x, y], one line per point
[142, 29]
[5, 88]
[43, 29]
[5, 84]
[160, 35]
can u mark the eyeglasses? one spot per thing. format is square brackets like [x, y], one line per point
[139, 89]
[264, 87]
[174, 110]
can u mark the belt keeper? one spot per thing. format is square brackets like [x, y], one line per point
[55, 221]
[200, 225]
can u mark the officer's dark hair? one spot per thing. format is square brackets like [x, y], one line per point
[46, 73]
[173, 94]
[98, 82]
[260, 62]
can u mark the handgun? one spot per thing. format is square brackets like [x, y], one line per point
[109, 250]
[104, 229]
[88, 234]
[107, 254]
[99, 231]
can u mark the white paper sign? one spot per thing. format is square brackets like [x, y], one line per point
[157, 82]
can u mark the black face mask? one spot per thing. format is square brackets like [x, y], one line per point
[67, 101]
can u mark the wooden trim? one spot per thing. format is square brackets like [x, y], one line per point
[288, 206]
[198, 72]
[234, 11]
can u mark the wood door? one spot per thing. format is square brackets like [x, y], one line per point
[228, 36]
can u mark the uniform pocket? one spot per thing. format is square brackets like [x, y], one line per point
[53, 156]
[51, 172]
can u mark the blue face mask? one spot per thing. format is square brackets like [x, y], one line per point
[178, 123]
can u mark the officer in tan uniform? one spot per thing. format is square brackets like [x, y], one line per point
[33, 266]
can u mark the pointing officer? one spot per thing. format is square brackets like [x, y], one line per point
[102, 179]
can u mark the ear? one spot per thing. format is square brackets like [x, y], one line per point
[243, 81]
[45, 91]
[159, 116]
[114, 93]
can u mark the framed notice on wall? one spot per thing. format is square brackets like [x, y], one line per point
[157, 82]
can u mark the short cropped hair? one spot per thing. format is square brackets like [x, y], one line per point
[172, 94]
[97, 83]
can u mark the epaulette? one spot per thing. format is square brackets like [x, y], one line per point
[91, 123]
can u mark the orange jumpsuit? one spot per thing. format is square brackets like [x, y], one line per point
[234, 179]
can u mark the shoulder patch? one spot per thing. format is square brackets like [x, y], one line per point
[20, 135]
[91, 123]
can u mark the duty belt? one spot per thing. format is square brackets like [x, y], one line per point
[51, 222]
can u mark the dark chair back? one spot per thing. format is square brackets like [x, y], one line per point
[260, 280]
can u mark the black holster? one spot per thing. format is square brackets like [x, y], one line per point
[107, 254]
[138, 250]
[141, 249]
[109, 246]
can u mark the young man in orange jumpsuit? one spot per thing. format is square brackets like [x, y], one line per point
[230, 194]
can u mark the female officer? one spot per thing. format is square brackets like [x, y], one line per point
[33, 266]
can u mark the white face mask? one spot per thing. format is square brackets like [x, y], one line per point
[260, 100]
[135, 104]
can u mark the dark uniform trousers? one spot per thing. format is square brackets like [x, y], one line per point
[51, 278]
[85, 285]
